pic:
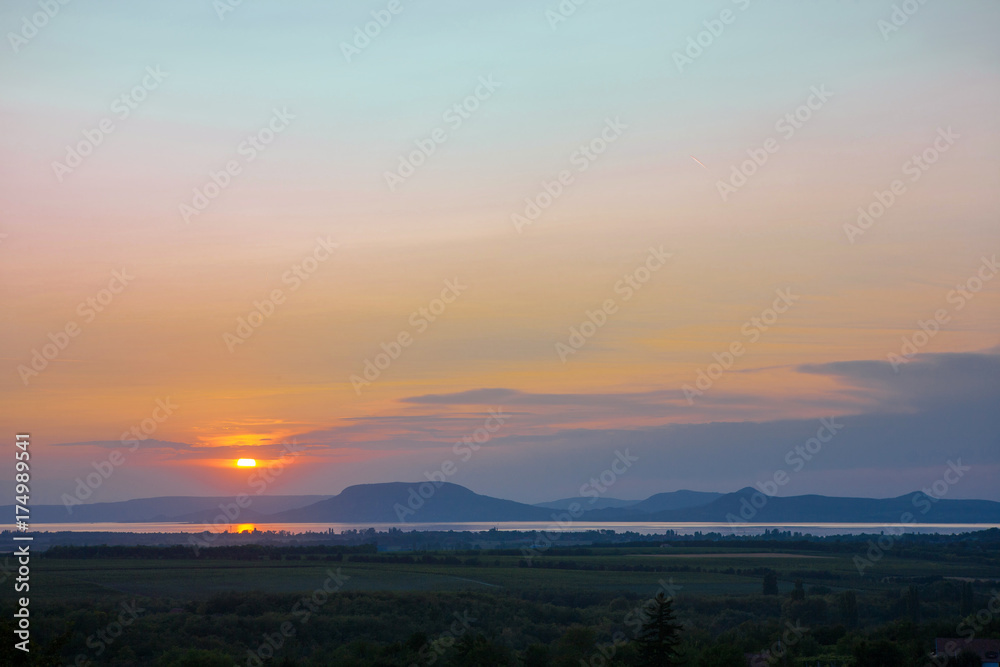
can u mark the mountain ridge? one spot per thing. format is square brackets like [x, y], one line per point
[444, 502]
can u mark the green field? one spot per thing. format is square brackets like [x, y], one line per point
[195, 578]
[382, 610]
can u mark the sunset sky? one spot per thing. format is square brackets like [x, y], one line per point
[619, 126]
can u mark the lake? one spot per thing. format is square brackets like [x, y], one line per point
[576, 526]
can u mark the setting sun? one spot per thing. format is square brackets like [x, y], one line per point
[246, 463]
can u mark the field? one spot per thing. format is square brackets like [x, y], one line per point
[697, 573]
[556, 608]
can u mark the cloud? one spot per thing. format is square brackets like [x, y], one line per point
[665, 401]
[498, 395]
[900, 431]
[470, 397]
[148, 444]
[938, 408]
[927, 381]
[189, 451]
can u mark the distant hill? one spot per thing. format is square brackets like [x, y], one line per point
[749, 505]
[589, 502]
[397, 502]
[640, 511]
[166, 508]
[676, 500]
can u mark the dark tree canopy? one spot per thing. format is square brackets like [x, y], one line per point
[965, 659]
[849, 608]
[770, 584]
[660, 634]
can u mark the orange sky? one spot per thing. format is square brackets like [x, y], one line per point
[168, 331]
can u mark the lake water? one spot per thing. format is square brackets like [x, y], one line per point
[577, 526]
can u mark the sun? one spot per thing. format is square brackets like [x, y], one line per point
[246, 463]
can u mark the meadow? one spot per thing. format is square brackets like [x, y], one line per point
[340, 605]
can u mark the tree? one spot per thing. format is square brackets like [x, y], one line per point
[574, 646]
[537, 655]
[968, 604]
[966, 658]
[198, 658]
[877, 654]
[912, 599]
[478, 651]
[811, 611]
[770, 584]
[660, 634]
[799, 593]
[849, 608]
[721, 654]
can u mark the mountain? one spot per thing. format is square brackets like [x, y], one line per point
[676, 500]
[640, 511]
[166, 508]
[398, 502]
[657, 503]
[751, 506]
[587, 503]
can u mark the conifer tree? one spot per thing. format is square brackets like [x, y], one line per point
[659, 636]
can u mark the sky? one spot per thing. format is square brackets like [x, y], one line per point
[502, 245]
